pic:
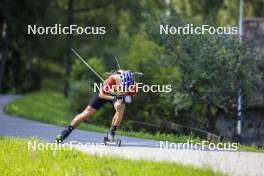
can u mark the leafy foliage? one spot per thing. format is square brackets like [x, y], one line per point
[205, 71]
[212, 67]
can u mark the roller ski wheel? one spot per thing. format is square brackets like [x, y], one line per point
[114, 141]
[105, 140]
[118, 142]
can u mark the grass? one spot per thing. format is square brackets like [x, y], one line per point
[250, 148]
[45, 106]
[53, 108]
[40, 107]
[16, 159]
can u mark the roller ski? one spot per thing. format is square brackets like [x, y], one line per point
[111, 139]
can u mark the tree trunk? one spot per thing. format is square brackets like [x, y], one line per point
[68, 62]
[5, 45]
[4, 57]
[211, 119]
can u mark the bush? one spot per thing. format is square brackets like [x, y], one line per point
[81, 72]
[82, 82]
[80, 94]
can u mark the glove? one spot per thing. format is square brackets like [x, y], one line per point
[119, 97]
[128, 99]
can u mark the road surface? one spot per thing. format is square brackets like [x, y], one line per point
[228, 162]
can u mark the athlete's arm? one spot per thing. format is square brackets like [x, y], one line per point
[105, 95]
[106, 88]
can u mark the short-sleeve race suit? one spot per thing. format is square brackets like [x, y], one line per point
[112, 81]
[109, 88]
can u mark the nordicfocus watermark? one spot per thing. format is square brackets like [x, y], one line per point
[204, 145]
[199, 30]
[36, 145]
[71, 29]
[138, 87]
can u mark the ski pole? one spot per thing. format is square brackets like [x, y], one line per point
[137, 73]
[117, 63]
[87, 65]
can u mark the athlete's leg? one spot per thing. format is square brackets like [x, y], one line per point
[120, 109]
[88, 112]
[95, 104]
[117, 119]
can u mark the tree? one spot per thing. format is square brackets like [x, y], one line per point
[18, 73]
[211, 67]
[68, 62]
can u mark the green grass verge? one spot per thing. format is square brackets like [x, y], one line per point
[250, 148]
[53, 108]
[16, 159]
[49, 107]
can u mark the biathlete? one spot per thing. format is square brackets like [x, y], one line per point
[118, 89]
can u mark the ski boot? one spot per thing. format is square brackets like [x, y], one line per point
[64, 134]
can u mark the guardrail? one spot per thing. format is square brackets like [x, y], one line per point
[171, 127]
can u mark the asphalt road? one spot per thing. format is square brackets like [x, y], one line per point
[228, 162]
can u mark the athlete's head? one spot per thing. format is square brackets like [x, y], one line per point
[126, 78]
